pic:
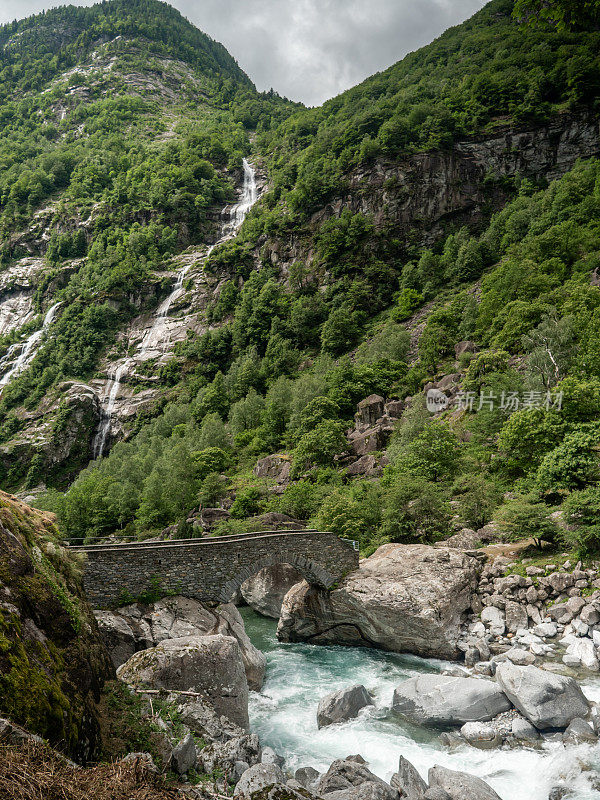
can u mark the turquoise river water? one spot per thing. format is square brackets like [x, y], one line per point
[298, 675]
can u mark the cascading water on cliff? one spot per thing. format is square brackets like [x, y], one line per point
[157, 338]
[28, 348]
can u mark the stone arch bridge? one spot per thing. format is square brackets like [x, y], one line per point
[211, 569]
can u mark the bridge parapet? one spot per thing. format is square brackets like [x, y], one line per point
[211, 569]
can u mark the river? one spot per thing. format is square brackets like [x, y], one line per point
[298, 675]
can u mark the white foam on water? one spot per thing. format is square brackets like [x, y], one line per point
[298, 675]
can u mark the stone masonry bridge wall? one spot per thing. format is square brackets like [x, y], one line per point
[211, 570]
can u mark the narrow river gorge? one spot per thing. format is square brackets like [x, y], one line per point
[284, 715]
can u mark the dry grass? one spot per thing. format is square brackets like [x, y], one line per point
[35, 772]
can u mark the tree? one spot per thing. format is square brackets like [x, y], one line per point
[561, 14]
[340, 331]
[524, 519]
[318, 446]
[574, 464]
[414, 510]
[433, 453]
[551, 349]
[581, 511]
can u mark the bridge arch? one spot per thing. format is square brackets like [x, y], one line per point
[210, 569]
[314, 573]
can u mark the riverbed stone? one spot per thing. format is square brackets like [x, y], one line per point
[579, 731]
[404, 598]
[256, 778]
[409, 784]
[481, 735]
[342, 705]
[344, 774]
[306, 776]
[443, 702]
[223, 756]
[547, 700]
[460, 785]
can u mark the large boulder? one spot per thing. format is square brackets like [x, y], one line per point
[347, 774]
[211, 665]
[264, 592]
[404, 598]
[547, 700]
[137, 627]
[342, 705]
[443, 701]
[201, 718]
[460, 785]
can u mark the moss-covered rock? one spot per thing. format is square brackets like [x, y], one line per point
[53, 663]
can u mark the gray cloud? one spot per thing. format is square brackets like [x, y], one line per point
[309, 50]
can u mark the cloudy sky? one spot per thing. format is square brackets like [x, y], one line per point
[308, 50]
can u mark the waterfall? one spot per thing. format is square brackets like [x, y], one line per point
[110, 397]
[28, 348]
[156, 339]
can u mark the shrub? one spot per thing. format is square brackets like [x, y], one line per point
[248, 503]
[319, 446]
[415, 510]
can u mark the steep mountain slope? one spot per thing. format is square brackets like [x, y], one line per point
[122, 142]
[368, 258]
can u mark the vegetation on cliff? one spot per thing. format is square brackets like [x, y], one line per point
[52, 660]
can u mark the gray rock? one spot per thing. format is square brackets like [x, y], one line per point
[342, 705]
[224, 755]
[521, 657]
[264, 592]
[481, 735]
[444, 702]
[436, 793]
[344, 774]
[230, 623]
[460, 785]
[579, 731]
[203, 720]
[546, 629]
[523, 730]
[516, 616]
[143, 760]
[404, 598]
[545, 699]
[366, 791]
[407, 781]
[258, 777]
[306, 776]
[183, 757]
[239, 767]
[269, 756]
[211, 665]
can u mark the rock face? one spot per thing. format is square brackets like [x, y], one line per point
[53, 662]
[404, 598]
[443, 701]
[211, 665]
[138, 627]
[545, 699]
[460, 785]
[342, 705]
[264, 592]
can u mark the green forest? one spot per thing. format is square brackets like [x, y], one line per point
[133, 178]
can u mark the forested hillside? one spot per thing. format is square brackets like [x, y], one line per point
[436, 226]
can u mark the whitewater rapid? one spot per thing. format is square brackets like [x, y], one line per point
[298, 675]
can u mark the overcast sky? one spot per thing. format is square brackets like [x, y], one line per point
[308, 50]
